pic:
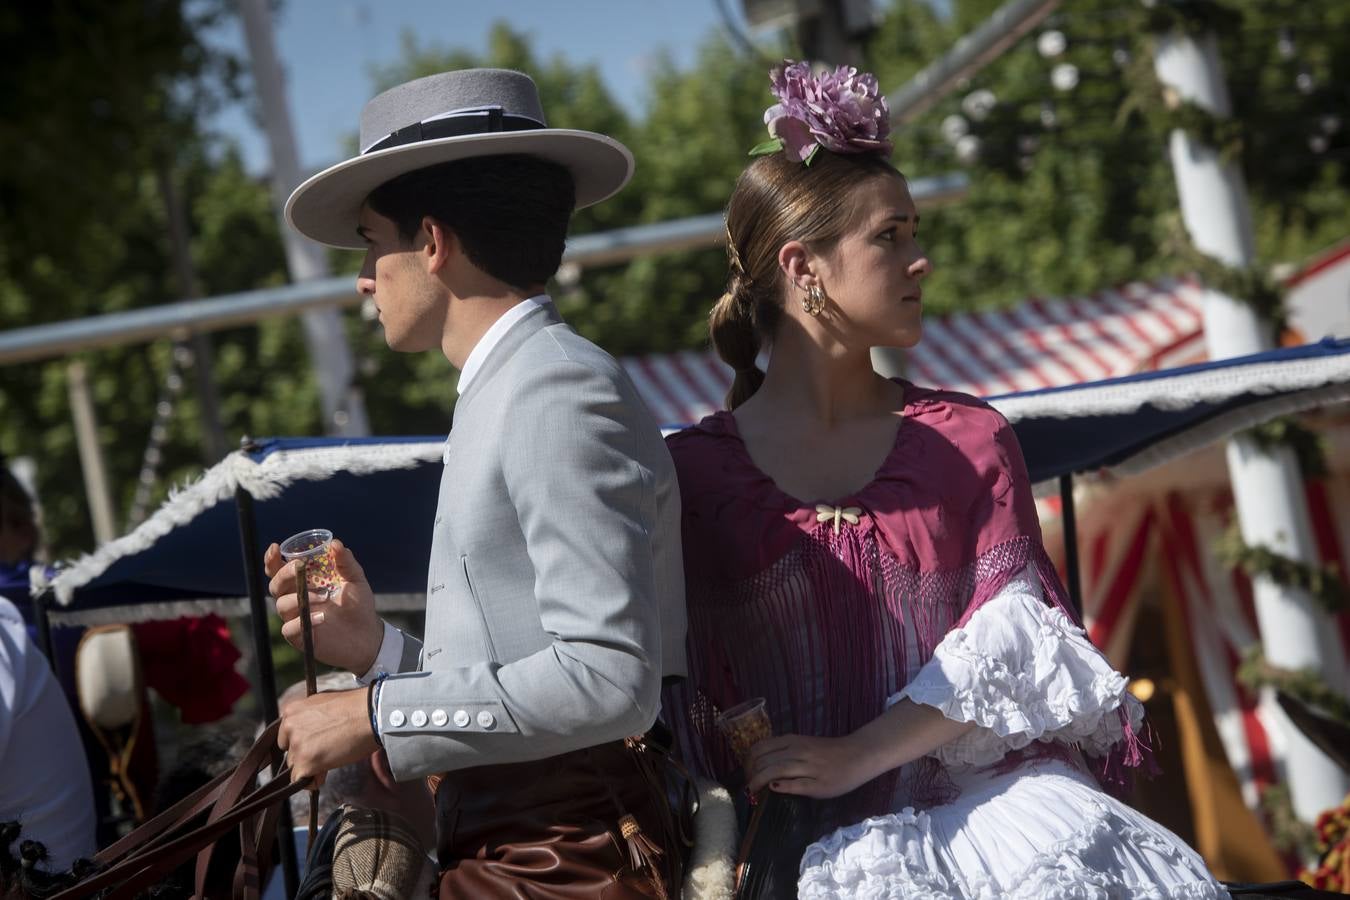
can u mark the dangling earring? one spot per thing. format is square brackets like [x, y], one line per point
[814, 301]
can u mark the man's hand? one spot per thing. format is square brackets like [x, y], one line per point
[818, 767]
[347, 632]
[325, 731]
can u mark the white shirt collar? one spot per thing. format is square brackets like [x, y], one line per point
[479, 354]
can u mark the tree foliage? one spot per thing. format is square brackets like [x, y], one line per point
[1072, 190]
[104, 101]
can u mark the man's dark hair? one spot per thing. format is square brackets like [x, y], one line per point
[509, 212]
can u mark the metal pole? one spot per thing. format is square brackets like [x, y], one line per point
[267, 677]
[91, 455]
[248, 307]
[253, 575]
[43, 623]
[1267, 485]
[825, 36]
[343, 406]
[1069, 519]
[966, 57]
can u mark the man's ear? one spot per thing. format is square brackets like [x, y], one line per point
[440, 244]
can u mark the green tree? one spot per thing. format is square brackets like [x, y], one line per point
[102, 99]
[1087, 198]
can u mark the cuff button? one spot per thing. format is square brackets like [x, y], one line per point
[486, 719]
[419, 718]
[439, 718]
[396, 718]
[461, 718]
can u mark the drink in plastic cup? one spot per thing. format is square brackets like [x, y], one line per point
[315, 547]
[745, 725]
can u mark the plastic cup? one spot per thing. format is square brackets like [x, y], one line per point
[315, 547]
[745, 725]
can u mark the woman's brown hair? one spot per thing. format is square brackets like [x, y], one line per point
[775, 201]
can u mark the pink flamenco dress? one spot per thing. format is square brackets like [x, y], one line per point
[929, 583]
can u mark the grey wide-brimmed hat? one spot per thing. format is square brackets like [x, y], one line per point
[442, 118]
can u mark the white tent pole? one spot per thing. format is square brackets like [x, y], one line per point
[1267, 486]
[343, 407]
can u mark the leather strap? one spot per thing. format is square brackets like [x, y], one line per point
[144, 837]
[178, 851]
[244, 777]
[159, 846]
[134, 875]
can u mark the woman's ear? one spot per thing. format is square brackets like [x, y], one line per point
[795, 261]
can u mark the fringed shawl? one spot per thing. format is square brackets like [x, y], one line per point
[782, 606]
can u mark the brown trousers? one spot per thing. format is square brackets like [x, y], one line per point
[551, 829]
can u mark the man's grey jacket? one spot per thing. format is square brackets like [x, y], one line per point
[555, 593]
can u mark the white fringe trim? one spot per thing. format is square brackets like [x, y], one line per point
[229, 607]
[1208, 433]
[1230, 423]
[1179, 391]
[263, 481]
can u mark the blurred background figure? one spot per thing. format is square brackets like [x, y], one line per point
[45, 785]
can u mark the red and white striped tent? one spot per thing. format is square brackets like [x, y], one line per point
[1038, 344]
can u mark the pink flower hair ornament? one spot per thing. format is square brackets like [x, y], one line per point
[842, 111]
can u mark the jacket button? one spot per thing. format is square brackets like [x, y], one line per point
[486, 720]
[461, 718]
[396, 718]
[419, 718]
[439, 718]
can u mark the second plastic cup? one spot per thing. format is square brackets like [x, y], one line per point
[315, 547]
[745, 725]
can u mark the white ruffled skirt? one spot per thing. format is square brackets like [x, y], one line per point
[1022, 673]
[1042, 832]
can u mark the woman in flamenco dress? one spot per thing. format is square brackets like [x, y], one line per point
[864, 554]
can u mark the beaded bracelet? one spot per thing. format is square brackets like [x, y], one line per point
[373, 706]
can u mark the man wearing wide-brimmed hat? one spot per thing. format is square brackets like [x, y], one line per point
[555, 600]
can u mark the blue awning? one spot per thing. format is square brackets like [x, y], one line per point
[1133, 423]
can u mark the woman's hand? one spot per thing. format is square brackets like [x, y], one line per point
[818, 767]
[824, 767]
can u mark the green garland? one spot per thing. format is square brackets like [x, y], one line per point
[1164, 111]
[1251, 285]
[1324, 583]
[1306, 685]
[1308, 446]
[1287, 833]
